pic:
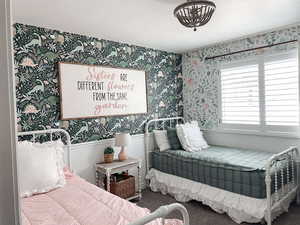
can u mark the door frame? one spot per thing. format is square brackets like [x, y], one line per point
[9, 195]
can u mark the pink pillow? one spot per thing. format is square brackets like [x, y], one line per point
[67, 172]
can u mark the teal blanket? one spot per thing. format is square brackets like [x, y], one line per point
[236, 170]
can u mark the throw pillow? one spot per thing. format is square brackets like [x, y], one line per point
[161, 139]
[173, 139]
[191, 137]
[40, 167]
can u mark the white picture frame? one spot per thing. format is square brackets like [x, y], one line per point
[92, 91]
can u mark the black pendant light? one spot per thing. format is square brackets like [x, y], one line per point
[194, 14]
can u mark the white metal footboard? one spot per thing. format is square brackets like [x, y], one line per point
[283, 169]
[162, 212]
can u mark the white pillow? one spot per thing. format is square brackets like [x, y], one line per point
[40, 167]
[161, 139]
[191, 137]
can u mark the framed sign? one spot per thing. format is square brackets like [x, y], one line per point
[88, 91]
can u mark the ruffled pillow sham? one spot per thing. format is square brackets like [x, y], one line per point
[191, 137]
[40, 167]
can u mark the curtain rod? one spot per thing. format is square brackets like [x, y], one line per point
[251, 49]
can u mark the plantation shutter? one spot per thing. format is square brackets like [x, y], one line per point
[240, 94]
[282, 90]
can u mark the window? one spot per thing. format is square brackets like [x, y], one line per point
[281, 92]
[240, 100]
[262, 94]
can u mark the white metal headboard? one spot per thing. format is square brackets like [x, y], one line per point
[162, 124]
[50, 132]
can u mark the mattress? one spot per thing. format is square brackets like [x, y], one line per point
[239, 171]
[81, 203]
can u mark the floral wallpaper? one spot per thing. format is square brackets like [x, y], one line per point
[201, 76]
[37, 53]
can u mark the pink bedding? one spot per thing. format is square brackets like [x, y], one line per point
[81, 203]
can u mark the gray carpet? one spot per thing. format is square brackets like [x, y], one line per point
[203, 215]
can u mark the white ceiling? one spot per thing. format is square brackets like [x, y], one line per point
[151, 23]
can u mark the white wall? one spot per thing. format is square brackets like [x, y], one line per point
[9, 211]
[84, 156]
[255, 142]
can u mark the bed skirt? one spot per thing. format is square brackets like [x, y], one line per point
[240, 208]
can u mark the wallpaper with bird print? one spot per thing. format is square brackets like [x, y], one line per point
[37, 53]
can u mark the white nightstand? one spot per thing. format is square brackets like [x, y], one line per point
[107, 169]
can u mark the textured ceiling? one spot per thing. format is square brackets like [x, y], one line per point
[151, 23]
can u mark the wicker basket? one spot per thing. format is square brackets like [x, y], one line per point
[124, 188]
[108, 158]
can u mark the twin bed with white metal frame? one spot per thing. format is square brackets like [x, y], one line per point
[284, 192]
[285, 178]
[161, 212]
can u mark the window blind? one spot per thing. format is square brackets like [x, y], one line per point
[262, 94]
[281, 91]
[240, 94]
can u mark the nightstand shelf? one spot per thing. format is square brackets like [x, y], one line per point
[108, 169]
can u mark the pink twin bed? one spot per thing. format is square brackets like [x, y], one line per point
[81, 203]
